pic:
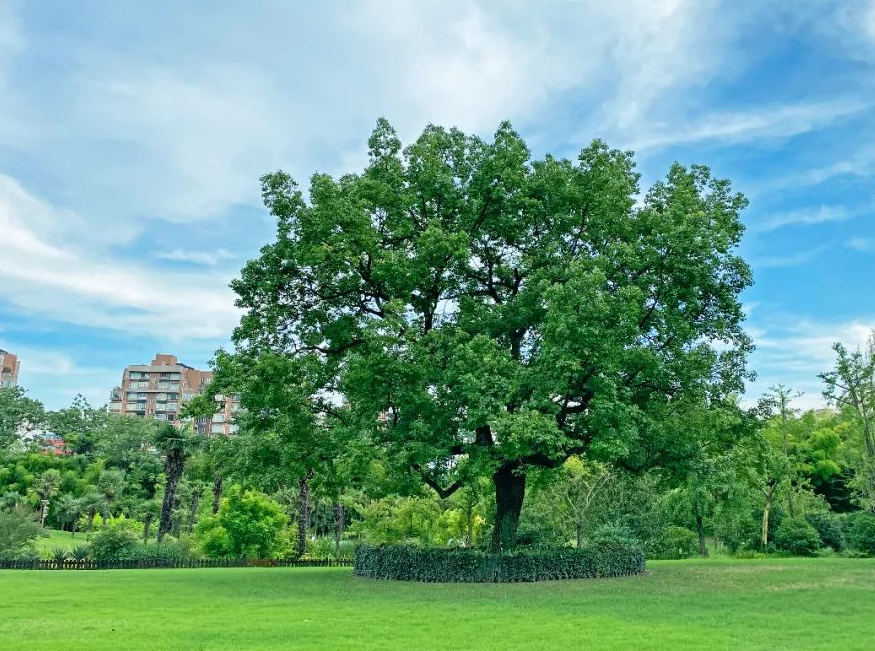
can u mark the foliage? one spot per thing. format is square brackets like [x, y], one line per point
[115, 539]
[677, 542]
[613, 533]
[60, 554]
[79, 552]
[19, 528]
[248, 523]
[574, 327]
[798, 537]
[17, 412]
[860, 533]
[829, 528]
[167, 551]
[409, 563]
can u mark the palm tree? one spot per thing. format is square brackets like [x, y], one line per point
[47, 485]
[147, 511]
[177, 445]
[69, 509]
[111, 483]
[91, 502]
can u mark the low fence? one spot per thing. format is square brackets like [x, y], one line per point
[141, 564]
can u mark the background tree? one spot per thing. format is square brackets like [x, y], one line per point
[177, 445]
[483, 313]
[17, 413]
[852, 385]
[47, 486]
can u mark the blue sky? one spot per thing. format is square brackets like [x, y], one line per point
[132, 136]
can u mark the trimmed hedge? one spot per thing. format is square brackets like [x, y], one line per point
[438, 565]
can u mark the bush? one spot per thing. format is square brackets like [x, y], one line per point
[408, 563]
[115, 539]
[797, 537]
[829, 528]
[79, 553]
[677, 542]
[19, 528]
[167, 552]
[59, 554]
[613, 534]
[248, 523]
[861, 533]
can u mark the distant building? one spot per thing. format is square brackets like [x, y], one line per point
[160, 389]
[9, 366]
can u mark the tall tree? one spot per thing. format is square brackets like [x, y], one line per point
[851, 384]
[177, 445]
[484, 313]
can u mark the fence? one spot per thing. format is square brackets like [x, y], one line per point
[141, 564]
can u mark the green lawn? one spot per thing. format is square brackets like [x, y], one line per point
[55, 539]
[759, 604]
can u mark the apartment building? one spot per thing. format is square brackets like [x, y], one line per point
[9, 367]
[159, 390]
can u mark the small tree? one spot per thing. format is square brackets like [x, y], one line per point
[47, 486]
[19, 527]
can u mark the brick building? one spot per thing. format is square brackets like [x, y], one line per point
[9, 367]
[160, 389]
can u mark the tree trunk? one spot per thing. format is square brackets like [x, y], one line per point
[147, 527]
[195, 504]
[765, 531]
[303, 511]
[339, 520]
[510, 489]
[173, 469]
[73, 527]
[579, 527]
[90, 526]
[217, 493]
[700, 530]
[44, 511]
[790, 505]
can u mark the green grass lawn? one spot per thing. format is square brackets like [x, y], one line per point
[55, 539]
[757, 604]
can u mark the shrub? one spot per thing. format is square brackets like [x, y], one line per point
[677, 542]
[613, 534]
[409, 563]
[167, 552]
[79, 553]
[797, 537]
[59, 554]
[115, 539]
[248, 523]
[19, 528]
[829, 528]
[861, 533]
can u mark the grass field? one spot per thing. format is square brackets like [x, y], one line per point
[758, 604]
[55, 539]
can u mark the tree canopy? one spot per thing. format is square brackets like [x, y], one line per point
[481, 312]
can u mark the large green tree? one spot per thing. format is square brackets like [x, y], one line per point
[481, 312]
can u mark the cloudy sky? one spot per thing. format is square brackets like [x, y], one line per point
[132, 136]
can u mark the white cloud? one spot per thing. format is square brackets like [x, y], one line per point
[209, 258]
[865, 244]
[791, 260]
[42, 273]
[804, 217]
[763, 122]
[795, 352]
